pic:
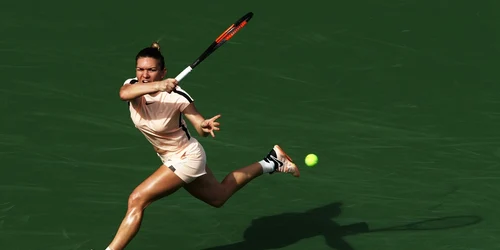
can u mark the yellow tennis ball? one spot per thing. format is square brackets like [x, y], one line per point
[311, 160]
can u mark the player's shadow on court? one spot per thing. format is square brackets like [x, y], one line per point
[278, 231]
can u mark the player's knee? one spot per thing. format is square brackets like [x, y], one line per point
[137, 200]
[217, 203]
[220, 199]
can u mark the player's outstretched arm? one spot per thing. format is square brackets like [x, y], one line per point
[203, 126]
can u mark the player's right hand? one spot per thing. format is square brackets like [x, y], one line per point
[167, 85]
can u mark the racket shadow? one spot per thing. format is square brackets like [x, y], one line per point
[278, 231]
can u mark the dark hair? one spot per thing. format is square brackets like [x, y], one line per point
[152, 51]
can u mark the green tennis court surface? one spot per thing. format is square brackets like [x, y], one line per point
[398, 99]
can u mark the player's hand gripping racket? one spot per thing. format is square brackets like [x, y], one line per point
[224, 37]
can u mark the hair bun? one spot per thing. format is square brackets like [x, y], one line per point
[156, 45]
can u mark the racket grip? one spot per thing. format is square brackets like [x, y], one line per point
[184, 73]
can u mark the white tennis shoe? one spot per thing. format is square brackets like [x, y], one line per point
[282, 162]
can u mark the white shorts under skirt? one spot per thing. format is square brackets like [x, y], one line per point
[189, 163]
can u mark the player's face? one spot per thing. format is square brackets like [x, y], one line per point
[148, 70]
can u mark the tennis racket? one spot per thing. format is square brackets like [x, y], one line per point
[221, 39]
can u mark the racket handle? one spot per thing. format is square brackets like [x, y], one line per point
[183, 73]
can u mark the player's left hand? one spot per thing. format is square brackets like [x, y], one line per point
[208, 126]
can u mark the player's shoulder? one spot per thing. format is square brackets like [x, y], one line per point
[130, 81]
[183, 94]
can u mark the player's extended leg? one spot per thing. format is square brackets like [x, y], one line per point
[160, 184]
[209, 190]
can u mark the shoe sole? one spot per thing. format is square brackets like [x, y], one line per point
[297, 172]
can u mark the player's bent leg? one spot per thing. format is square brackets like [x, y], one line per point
[208, 189]
[161, 183]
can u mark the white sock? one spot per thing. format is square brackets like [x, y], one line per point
[267, 167]
[107, 248]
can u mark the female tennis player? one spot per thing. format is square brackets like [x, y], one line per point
[157, 107]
